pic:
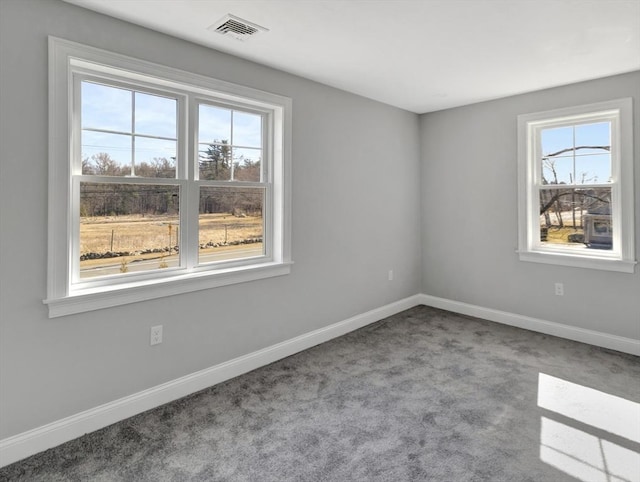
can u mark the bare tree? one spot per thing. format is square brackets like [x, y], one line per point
[557, 198]
[104, 165]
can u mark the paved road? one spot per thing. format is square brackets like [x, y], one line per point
[149, 264]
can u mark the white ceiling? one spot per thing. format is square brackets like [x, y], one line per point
[420, 55]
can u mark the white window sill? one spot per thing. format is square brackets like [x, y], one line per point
[115, 295]
[578, 261]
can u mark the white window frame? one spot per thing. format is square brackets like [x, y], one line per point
[69, 62]
[622, 257]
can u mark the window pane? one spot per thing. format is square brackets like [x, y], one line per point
[106, 154]
[155, 115]
[556, 140]
[155, 157]
[214, 124]
[214, 162]
[246, 164]
[576, 217]
[126, 228]
[557, 170]
[596, 137]
[593, 169]
[105, 107]
[247, 129]
[231, 223]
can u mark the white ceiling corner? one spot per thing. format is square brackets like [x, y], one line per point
[419, 55]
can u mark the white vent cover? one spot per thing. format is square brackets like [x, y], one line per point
[236, 27]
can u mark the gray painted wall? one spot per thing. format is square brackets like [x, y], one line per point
[469, 214]
[356, 215]
[365, 177]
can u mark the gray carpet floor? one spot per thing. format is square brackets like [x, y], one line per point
[423, 395]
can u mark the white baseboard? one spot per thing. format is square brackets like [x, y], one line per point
[42, 438]
[597, 338]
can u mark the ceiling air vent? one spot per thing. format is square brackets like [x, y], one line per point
[236, 27]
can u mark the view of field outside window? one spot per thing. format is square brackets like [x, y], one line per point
[575, 195]
[130, 220]
[230, 223]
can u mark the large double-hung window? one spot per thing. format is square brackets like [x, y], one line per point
[161, 181]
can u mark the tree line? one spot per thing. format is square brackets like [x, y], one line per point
[119, 199]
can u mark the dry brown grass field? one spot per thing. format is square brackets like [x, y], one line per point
[136, 233]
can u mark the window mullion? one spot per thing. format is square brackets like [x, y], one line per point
[129, 180]
[573, 155]
[231, 183]
[267, 147]
[189, 130]
[76, 127]
[231, 148]
[133, 135]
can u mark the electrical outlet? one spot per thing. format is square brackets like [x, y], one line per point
[390, 275]
[156, 335]
[559, 289]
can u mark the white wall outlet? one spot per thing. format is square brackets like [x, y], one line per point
[559, 289]
[156, 335]
[390, 275]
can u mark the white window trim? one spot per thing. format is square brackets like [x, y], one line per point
[65, 57]
[622, 259]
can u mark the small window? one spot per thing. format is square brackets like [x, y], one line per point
[162, 182]
[576, 187]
